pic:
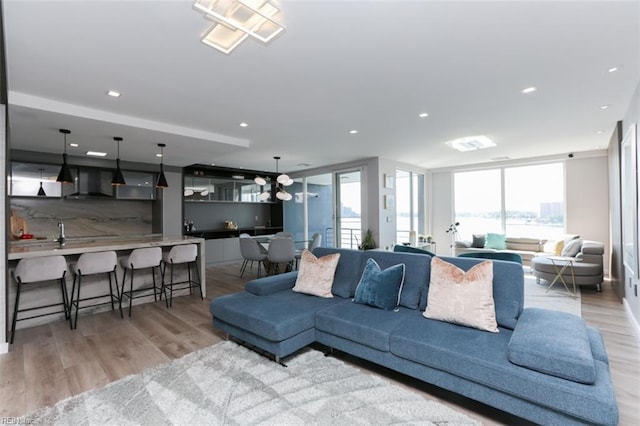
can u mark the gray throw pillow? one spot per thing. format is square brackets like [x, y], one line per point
[572, 248]
[478, 241]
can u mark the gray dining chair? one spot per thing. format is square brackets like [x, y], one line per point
[281, 251]
[283, 234]
[251, 251]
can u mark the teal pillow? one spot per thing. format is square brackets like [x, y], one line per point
[380, 288]
[496, 241]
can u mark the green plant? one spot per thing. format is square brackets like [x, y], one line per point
[368, 242]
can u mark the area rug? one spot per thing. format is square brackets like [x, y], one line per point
[556, 298]
[227, 384]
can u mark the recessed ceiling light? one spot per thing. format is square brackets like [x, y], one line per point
[471, 143]
[604, 106]
[158, 155]
[75, 145]
[423, 115]
[613, 69]
[528, 90]
[353, 132]
[243, 124]
[599, 132]
[96, 153]
[113, 93]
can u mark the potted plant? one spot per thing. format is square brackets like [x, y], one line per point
[367, 241]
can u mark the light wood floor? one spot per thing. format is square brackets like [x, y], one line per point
[49, 363]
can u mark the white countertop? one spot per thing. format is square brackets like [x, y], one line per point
[39, 248]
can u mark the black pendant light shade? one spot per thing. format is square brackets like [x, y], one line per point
[41, 192]
[162, 180]
[65, 173]
[118, 177]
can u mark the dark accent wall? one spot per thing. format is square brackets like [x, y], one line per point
[209, 216]
[616, 268]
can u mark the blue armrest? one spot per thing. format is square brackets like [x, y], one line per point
[272, 284]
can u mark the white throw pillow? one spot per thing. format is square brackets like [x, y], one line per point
[459, 297]
[315, 275]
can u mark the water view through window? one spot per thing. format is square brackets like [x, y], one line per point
[525, 201]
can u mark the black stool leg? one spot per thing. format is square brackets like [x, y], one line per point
[73, 292]
[124, 280]
[153, 276]
[163, 290]
[77, 302]
[171, 285]
[131, 292]
[15, 311]
[65, 298]
[195, 265]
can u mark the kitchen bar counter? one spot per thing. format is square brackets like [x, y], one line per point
[39, 248]
[74, 247]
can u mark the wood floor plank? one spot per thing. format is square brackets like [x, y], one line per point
[86, 376]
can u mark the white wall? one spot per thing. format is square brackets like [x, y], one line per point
[587, 199]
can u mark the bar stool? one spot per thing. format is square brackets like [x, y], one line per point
[39, 269]
[92, 264]
[181, 254]
[142, 258]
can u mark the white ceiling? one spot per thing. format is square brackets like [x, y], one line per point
[341, 65]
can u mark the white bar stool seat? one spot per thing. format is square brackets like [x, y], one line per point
[180, 254]
[32, 270]
[91, 264]
[142, 258]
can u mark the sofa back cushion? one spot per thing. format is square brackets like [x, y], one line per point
[416, 276]
[348, 271]
[524, 244]
[508, 288]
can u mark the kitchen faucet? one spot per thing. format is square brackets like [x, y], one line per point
[61, 236]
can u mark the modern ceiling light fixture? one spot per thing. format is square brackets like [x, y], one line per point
[162, 180]
[235, 20]
[41, 192]
[283, 180]
[118, 177]
[528, 90]
[471, 143]
[65, 173]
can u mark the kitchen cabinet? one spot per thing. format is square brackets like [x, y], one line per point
[140, 186]
[223, 189]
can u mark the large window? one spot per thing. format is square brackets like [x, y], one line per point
[478, 202]
[522, 201]
[409, 205]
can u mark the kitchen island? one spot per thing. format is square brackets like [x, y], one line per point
[72, 249]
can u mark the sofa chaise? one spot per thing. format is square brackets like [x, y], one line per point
[545, 366]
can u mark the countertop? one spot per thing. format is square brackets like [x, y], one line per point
[39, 248]
[230, 233]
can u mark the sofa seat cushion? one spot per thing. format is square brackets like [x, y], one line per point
[554, 343]
[482, 358]
[275, 317]
[361, 323]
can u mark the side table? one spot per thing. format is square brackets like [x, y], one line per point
[560, 264]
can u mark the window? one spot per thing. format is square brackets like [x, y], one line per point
[478, 204]
[409, 205]
[522, 201]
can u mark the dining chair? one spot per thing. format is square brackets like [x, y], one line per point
[281, 251]
[283, 234]
[251, 251]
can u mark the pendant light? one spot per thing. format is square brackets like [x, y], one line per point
[65, 173]
[118, 177]
[283, 180]
[162, 180]
[41, 192]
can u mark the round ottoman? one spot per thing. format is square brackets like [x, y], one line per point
[585, 273]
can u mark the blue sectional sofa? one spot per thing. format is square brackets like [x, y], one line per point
[544, 366]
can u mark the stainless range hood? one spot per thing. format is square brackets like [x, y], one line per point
[93, 183]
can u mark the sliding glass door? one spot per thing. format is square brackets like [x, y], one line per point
[348, 209]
